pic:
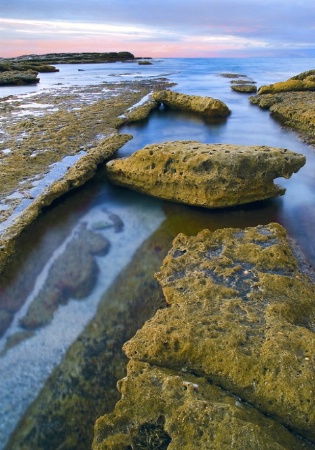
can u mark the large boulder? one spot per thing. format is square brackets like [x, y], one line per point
[240, 318]
[208, 175]
[206, 106]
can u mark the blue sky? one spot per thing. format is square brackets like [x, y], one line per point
[159, 28]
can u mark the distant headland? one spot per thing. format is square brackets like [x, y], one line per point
[24, 69]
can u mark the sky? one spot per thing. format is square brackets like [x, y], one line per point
[159, 28]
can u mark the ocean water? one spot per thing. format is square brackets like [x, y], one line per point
[27, 365]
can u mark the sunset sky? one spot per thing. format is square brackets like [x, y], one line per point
[159, 28]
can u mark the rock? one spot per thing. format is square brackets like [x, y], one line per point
[72, 275]
[292, 102]
[231, 75]
[165, 409]
[24, 66]
[16, 77]
[206, 106]
[73, 58]
[64, 413]
[246, 88]
[208, 175]
[240, 314]
[302, 82]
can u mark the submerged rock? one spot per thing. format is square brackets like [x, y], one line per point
[240, 314]
[207, 106]
[165, 409]
[72, 275]
[208, 175]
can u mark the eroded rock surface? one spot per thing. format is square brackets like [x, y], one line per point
[241, 315]
[208, 175]
[293, 109]
[303, 82]
[165, 409]
[207, 106]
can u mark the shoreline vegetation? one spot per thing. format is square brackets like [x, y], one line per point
[262, 294]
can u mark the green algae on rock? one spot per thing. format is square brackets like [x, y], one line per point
[292, 102]
[293, 109]
[206, 106]
[34, 143]
[303, 82]
[208, 175]
[171, 410]
[16, 77]
[242, 315]
[244, 88]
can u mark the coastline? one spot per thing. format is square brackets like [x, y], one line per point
[77, 175]
[83, 125]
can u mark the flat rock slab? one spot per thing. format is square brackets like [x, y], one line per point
[242, 315]
[164, 409]
[206, 106]
[208, 175]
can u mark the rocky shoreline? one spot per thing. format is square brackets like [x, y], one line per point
[85, 129]
[292, 103]
[226, 355]
[239, 317]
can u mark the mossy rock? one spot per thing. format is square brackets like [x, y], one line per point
[206, 106]
[165, 409]
[242, 315]
[207, 175]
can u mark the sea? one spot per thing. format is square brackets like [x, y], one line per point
[26, 366]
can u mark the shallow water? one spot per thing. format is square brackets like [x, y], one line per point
[26, 366]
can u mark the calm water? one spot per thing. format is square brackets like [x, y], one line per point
[26, 366]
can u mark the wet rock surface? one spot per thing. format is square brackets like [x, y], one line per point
[292, 102]
[206, 106]
[241, 315]
[208, 175]
[303, 82]
[293, 109]
[244, 88]
[165, 409]
[19, 73]
[39, 132]
[240, 83]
